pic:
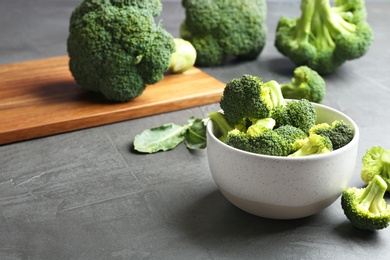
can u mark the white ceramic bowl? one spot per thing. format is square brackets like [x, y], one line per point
[283, 187]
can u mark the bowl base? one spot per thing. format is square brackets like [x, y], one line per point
[275, 211]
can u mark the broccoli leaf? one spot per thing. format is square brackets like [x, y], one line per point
[195, 136]
[168, 136]
[161, 138]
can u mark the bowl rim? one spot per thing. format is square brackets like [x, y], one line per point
[333, 153]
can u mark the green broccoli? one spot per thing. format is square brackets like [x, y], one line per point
[183, 58]
[292, 135]
[325, 36]
[116, 48]
[298, 113]
[262, 141]
[221, 124]
[306, 84]
[247, 99]
[366, 208]
[339, 132]
[314, 144]
[219, 29]
[376, 161]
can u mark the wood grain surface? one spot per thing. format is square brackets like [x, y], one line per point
[40, 98]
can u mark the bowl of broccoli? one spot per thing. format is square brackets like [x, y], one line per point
[279, 158]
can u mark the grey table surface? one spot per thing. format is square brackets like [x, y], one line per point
[86, 195]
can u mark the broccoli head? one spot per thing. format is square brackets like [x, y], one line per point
[325, 36]
[219, 29]
[293, 135]
[306, 84]
[314, 144]
[298, 113]
[259, 139]
[116, 48]
[366, 208]
[339, 132]
[376, 161]
[247, 99]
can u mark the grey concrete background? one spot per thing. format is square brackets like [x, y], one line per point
[86, 195]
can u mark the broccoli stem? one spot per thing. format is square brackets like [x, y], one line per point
[304, 24]
[385, 162]
[323, 39]
[372, 197]
[333, 20]
[275, 93]
[219, 119]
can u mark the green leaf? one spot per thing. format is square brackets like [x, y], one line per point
[195, 136]
[161, 138]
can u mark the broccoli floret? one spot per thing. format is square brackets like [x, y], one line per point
[366, 207]
[219, 29]
[376, 161]
[116, 48]
[325, 36]
[292, 135]
[262, 141]
[339, 132]
[221, 124]
[314, 144]
[306, 84]
[247, 99]
[298, 113]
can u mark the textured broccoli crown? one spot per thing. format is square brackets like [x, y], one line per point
[366, 207]
[314, 144]
[248, 98]
[325, 36]
[218, 29]
[292, 135]
[260, 139]
[306, 84]
[298, 113]
[116, 48]
[376, 161]
[340, 132]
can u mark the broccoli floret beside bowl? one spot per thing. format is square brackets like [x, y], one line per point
[366, 208]
[325, 36]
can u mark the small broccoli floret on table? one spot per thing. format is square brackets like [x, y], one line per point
[339, 132]
[298, 113]
[366, 208]
[314, 144]
[306, 84]
[325, 36]
[376, 161]
[219, 29]
[247, 99]
[116, 48]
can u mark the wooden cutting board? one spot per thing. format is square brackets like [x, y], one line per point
[40, 98]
